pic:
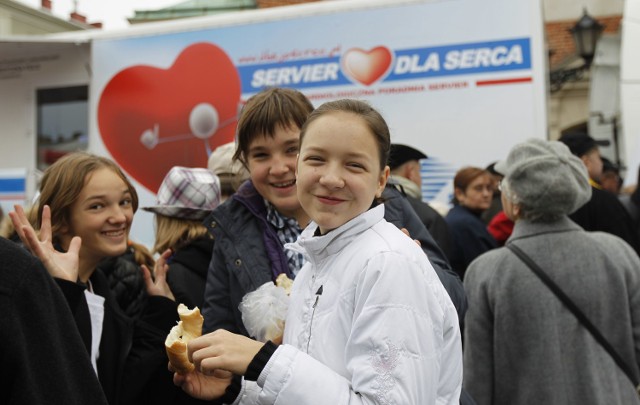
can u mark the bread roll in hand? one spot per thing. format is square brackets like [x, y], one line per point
[189, 327]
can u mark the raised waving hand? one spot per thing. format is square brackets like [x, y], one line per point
[62, 265]
[157, 282]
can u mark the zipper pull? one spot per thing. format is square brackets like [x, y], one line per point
[318, 294]
[313, 311]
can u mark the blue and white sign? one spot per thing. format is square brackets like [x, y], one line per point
[13, 186]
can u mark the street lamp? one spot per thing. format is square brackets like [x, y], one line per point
[585, 33]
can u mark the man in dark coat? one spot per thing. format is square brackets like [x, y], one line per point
[604, 212]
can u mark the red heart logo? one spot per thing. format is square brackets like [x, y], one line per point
[151, 119]
[366, 67]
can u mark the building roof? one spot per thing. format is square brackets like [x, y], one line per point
[23, 19]
[192, 8]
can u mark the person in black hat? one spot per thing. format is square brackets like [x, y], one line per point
[404, 162]
[496, 203]
[581, 144]
[603, 212]
[610, 179]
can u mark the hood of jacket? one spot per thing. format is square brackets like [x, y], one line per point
[316, 248]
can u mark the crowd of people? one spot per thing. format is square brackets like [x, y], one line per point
[535, 269]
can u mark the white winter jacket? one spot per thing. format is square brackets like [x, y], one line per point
[369, 323]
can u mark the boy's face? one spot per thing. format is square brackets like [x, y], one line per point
[593, 162]
[339, 172]
[272, 163]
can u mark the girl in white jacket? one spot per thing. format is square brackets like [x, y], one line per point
[369, 321]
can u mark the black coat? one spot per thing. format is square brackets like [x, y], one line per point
[187, 274]
[132, 365]
[470, 238]
[42, 354]
[605, 213]
[435, 223]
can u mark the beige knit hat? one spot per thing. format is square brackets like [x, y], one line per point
[222, 164]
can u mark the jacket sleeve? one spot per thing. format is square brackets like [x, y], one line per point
[387, 364]
[217, 307]
[633, 280]
[478, 334]
[439, 229]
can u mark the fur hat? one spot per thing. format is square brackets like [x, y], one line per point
[546, 177]
[187, 193]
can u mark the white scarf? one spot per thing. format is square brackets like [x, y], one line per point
[410, 188]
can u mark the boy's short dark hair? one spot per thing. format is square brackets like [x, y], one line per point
[265, 112]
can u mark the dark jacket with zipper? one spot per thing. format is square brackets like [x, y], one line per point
[246, 254]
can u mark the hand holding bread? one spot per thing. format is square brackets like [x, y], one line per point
[189, 327]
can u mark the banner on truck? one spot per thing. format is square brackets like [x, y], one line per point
[460, 80]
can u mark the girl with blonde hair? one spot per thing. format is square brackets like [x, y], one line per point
[85, 210]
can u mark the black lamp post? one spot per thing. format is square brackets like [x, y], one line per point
[586, 33]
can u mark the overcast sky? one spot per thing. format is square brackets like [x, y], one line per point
[112, 13]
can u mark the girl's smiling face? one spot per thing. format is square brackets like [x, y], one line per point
[101, 215]
[338, 170]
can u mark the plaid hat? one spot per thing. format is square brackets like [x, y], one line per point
[545, 177]
[187, 193]
[580, 143]
[401, 154]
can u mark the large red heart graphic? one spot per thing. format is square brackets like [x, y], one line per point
[151, 119]
[366, 67]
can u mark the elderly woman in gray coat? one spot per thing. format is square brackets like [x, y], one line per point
[522, 345]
